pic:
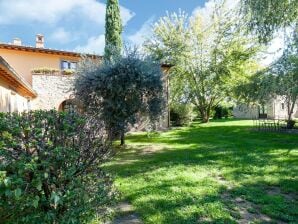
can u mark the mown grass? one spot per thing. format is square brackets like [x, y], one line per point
[195, 174]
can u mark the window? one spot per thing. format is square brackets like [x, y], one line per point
[68, 65]
[282, 106]
[73, 65]
[70, 106]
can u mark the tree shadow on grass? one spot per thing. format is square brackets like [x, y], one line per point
[186, 207]
[251, 160]
[258, 200]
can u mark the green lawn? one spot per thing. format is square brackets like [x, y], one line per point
[220, 172]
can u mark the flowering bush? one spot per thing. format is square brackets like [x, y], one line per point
[45, 70]
[68, 71]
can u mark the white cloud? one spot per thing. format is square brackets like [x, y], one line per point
[52, 11]
[74, 22]
[126, 15]
[61, 36]
[140, 36]
[207, 10]
[97, 11]
[95, 45]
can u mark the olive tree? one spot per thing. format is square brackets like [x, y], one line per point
[121, 90]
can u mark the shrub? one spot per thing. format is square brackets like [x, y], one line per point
[222, 112]
[291, 124]
[50, 168]
[181, 114]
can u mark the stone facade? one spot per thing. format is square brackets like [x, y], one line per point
[244, 111]
[275, 109]
[52, 90]
[280, 109]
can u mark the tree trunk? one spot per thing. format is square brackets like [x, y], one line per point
[205, 119]
[205, 115]
[290, 113]
[110, 136]
[122, 138]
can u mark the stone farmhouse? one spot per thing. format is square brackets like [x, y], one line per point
[33, 78]
[273, 109]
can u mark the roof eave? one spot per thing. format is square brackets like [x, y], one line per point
[30, 91]
[46, 50]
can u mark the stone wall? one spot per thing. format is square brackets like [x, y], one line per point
[244, 111]
[270, 109]
[52, 90]
[276, 109]
[281, 110]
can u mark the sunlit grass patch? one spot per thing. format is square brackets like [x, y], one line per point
[197, 174]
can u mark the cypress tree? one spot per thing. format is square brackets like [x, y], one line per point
[113, 28]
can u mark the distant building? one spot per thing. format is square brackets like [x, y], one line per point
[273, 109]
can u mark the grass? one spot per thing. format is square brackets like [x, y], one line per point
[220, 172]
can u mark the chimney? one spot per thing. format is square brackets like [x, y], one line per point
[17, 41]
[39, 41]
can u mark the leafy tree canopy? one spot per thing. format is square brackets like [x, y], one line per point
[122, 90]
[210, 55]
[265, 17]
[278, 80]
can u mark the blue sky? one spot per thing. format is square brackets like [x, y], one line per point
[79, 24]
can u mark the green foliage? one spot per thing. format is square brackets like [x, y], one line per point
[291, 124]
[113, 30]
[50, 168]
[122, 90]
[222, 111]
[45, 70]
[181, 114]
[265, 17]
[210, 54]
[278, 80]
[169, 42]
